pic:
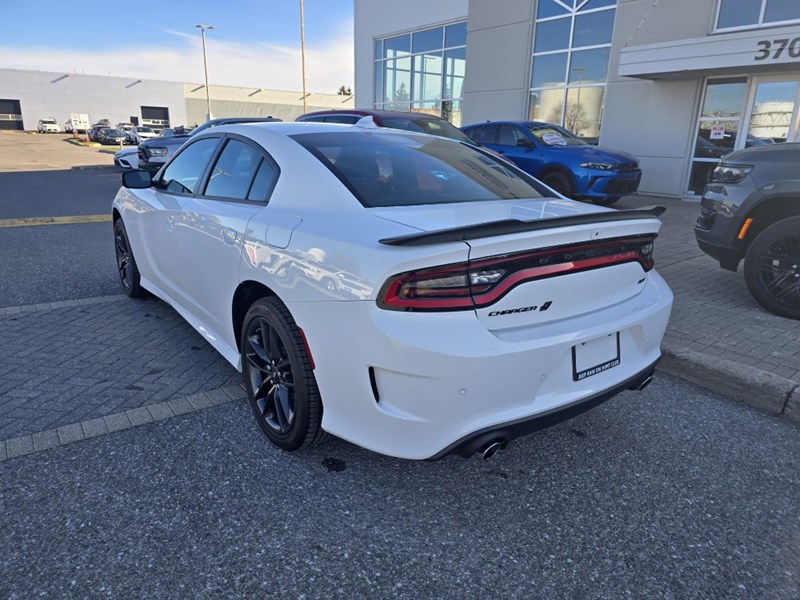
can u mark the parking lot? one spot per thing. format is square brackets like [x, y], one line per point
[146, 475]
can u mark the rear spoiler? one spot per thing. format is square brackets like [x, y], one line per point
[509, 226]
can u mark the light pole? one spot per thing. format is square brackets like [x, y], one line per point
[205, 67]
[303, 53]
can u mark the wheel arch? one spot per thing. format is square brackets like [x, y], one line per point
[767, 212]
[549, 168]
[246, 293]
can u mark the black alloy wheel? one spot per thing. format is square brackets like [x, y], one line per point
[279, 379]
[560, 182]
[126, 264]
[772, 268]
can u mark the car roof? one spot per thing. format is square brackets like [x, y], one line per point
[522, 123]
[366, 112]
[297, 127]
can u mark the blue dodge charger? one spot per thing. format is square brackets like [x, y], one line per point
[561, 160]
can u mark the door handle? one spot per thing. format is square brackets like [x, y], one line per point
[171, 223]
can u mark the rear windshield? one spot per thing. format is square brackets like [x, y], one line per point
[384, 169]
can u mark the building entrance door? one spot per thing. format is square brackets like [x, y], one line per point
[741, 113]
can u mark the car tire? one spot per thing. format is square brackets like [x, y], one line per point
[126, 264]
[279, 377]
[772, 268]
[560, 182]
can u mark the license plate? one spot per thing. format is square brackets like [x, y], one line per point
[595, 356]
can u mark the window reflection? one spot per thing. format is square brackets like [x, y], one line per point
[568, 83]
[415, 72]
[748, 13]
[549, 70]
[773, 108]
[589, 66]
[552, 35]
[593, 28]
[724, 98]
[781, 10]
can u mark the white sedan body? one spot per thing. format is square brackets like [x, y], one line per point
[396, 380]
[127, 158]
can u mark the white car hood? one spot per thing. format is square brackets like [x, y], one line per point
[445, 216]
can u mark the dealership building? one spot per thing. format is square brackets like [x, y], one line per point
[27, 96]
[678, 83]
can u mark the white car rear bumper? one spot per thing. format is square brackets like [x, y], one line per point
[417, 385]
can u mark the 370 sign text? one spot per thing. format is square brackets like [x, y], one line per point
[774, 49]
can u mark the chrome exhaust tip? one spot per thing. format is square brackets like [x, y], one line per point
[491, 449]
[645, 383]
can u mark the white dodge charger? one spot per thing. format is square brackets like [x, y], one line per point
[411, 294]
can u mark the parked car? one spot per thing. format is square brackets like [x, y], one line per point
[562, 160]
[468, 336]
[408, 121]
[141, 133]
[751, 210]
[48, 125]
[125, 128]
[108, 135]
[127, 158]
[154, 153]
[94, 132]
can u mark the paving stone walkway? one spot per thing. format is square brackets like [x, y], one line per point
[67, 362]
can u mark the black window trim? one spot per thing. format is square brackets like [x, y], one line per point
[265, 156]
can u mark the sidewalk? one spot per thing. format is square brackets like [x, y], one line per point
[718, 336]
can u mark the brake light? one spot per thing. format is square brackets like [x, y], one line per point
[483, 282]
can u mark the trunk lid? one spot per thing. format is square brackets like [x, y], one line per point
[544, 260]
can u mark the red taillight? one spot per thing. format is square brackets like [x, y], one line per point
[483, 282]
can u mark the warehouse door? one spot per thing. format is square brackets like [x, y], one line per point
[155, 116]
[10, 115]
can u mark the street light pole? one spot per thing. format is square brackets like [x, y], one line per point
[303, 53]
[205, 67]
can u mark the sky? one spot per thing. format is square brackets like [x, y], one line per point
[254, 43]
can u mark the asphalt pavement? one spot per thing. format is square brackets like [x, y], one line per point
[668, 493]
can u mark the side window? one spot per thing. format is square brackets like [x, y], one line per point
[510, 135]
[234, 170]
[183, 174]
[317, 119]
[266, 176]
[483, 135]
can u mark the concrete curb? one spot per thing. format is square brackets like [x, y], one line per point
[89, 428]
[763, 390]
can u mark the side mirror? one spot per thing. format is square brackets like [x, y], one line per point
[525, 143]
[137, 180]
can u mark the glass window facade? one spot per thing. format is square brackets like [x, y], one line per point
[422, 71]
[571, 48]
[740, 14]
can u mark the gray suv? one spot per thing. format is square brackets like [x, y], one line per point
[751, 210]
